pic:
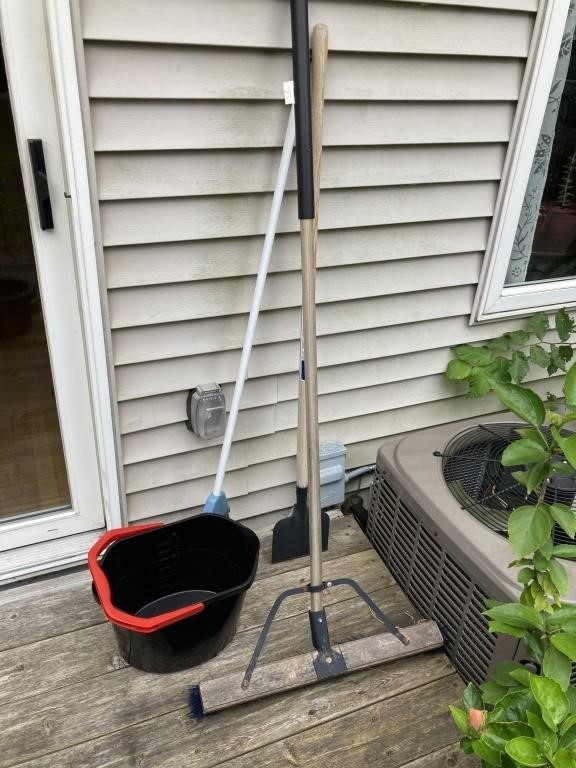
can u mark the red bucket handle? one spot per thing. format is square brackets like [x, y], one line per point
[114, 614]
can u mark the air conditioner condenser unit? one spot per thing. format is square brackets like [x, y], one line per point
[438, 513]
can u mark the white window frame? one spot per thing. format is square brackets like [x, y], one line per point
[493, 299]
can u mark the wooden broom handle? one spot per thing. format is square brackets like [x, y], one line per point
[308, 230]
[319, 62]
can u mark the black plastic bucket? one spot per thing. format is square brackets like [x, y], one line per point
[173, 593]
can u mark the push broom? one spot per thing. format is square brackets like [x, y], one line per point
[326, 660]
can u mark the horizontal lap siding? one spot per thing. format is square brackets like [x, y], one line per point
[123, 176]
[118, 70]
[197, 218]
[214, 298]
[128, 125]
[234, 257]
[188, 121]
[359, 25]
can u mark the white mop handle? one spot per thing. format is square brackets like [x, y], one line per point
[257, 299]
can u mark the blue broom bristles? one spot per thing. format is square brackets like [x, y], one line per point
[195, 708]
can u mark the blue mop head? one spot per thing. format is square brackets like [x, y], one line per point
[217, 504]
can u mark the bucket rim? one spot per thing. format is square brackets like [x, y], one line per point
[141, 625]
[112, 612]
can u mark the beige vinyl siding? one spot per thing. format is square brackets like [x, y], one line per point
[156, 125]
[162, 341]
[156, 304]
[121, 176]
[185, 218]
[188, 119]
[235, 257]
[171, 72]
[401, 28]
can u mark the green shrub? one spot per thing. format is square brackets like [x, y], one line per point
[522, 716]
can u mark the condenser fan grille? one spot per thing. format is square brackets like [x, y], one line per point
[484, 488]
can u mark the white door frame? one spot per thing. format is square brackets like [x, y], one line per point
[71, 549]
[63, 54]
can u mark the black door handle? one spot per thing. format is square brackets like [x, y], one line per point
[41, 183]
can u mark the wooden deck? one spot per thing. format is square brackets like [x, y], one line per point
[67, 700]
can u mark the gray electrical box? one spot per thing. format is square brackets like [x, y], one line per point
[206, 411]
[332, 473]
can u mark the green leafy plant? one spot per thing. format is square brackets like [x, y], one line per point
[526, 715]
[507, 358]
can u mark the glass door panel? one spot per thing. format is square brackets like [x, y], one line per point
[32, 463]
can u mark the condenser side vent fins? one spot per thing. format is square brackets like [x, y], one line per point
[432, 579]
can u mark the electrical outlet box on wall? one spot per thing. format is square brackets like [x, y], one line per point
[332, 473]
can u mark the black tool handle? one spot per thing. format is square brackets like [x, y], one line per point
[301, 69]
[41, 183]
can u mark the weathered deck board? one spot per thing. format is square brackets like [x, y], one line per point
[389, 737]
[47, 609]
[68, 701]
[75, 656]
[449, 757]
[174, 741]
[66, 716]
[41, 610]
[345, 539]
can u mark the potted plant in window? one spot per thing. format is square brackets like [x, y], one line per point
[556, 228]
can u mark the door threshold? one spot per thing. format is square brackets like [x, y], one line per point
[47, 557]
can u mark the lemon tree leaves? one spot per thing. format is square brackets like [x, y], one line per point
[570, 386]
[566, 444]
[552, 700]
[458, 370]
[539, 325]
[525, 751]
[517, 717]
[529, 528]
[564, 324]
[523, 402]
[517, 615]
[524, 451]
[557, 666]
[467, 353]
[508, 357]
[565, 642]
[565, 518]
